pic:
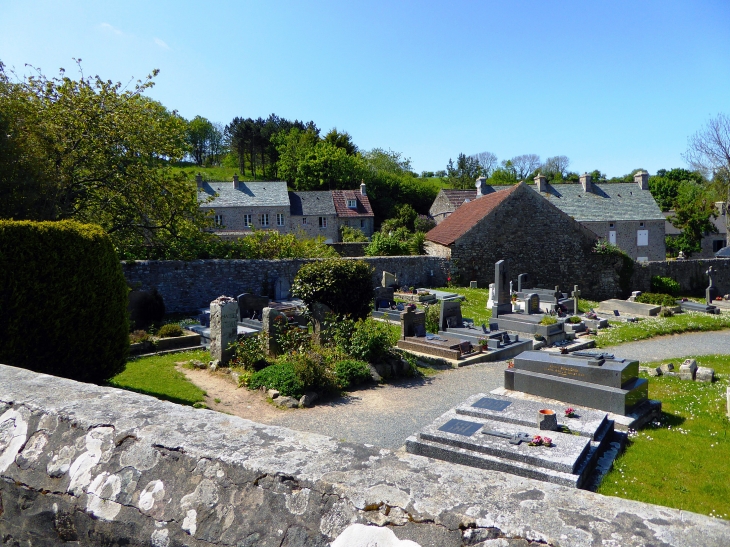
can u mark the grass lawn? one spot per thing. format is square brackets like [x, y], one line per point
[621, 332]
[214, 173]
[156, 376]
[682, 460]
[475, 305]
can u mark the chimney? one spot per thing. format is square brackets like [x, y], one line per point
[199, 180]
[720, 206]
[642, 179]
[362, 188]
[541, 182]
[235, 181]
[480, 184]
[586, 182]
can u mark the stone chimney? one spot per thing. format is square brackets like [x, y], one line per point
[362, 188]
[541, 182]
[480, 184]
[199, 180]
[586, 182]
[642, 179]
[235, 181]
[720, 206]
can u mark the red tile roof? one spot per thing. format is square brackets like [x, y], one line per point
[340, 198]
[466, 216]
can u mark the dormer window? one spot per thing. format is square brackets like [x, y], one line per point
[352, 204]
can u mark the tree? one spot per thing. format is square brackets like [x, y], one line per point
[327, 167]
[205, 141]
[341, 140]
[525, 164]
[465, 173]
[488, 161]
[92, 151]
[293, 146]
[692, 213]
[556, 168]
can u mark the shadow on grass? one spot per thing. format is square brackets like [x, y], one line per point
[667, 420]
[156, 395]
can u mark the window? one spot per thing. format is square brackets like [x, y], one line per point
[322, 222]
[304, 220]
[219, 220]
[717, 244]
[641, 224]
[642, 238]
[247, 220]
[362, 223]
[280, 219]
[610, 224]
[264, 219]
[352, 204]
[642, 259]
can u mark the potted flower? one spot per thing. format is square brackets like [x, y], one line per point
[483, 343]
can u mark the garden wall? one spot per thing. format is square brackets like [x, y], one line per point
[689, 273]
[188, 285]
[111, 467]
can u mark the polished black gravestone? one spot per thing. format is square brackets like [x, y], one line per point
[595, 381]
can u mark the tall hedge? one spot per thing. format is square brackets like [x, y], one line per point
[63, 300]
[346, 286]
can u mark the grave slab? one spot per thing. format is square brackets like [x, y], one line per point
[628, 308]
[696, 306]
[604, 371]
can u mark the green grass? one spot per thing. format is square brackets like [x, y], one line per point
[156, 376]
[621, 332]
[220, 173]
[474, 305]
[680, 461]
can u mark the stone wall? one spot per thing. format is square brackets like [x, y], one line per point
[689, 273]
[537, 238]
[188, 285]
[627, 238]
[350, 249]
[101, 466]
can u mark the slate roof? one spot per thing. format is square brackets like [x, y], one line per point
[248, 194]
[466, 216]
[607, 202]
[340, 198]
[311, 203]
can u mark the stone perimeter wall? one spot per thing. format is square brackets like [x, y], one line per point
[188, 285]
[689, 273]
[111, 467]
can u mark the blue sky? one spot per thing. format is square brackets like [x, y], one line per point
[613, 85]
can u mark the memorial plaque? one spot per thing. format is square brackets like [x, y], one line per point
[461, 427]
[491, 404]
[532, 303]
[465, 346]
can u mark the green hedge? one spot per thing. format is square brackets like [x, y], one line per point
[657, 299]
[63, 300]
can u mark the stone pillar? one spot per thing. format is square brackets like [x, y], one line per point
[273, 321]
[223, 328]
[503, 298]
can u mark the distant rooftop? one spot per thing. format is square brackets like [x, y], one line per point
[248, 194]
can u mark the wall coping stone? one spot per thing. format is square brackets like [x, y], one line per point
[98, 463]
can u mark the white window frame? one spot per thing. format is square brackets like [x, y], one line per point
[218, 220]
[247, 221]
[642, 238]
[280, 219]
[322, 223]
[304, 220]
[352, 204]
[264, 218]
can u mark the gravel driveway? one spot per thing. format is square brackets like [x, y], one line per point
[674, 346]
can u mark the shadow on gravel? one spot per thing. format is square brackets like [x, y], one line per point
[350, 397]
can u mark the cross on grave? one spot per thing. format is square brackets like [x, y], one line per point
[575, 294]
[514, 438]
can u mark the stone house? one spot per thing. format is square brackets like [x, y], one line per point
[354, 210]
[528, 231]
[625, 214]
[240, 207]
[313, 214]
[711, 243]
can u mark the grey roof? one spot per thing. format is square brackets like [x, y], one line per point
[311, 203]
[607, 202]
[248, 194]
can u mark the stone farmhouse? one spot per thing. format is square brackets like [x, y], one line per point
[243, 206]
[625, 214]
[532, 233]
[711, 242]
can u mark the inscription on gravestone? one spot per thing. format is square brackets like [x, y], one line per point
[532, 303]
[461, 427]
[488, 403]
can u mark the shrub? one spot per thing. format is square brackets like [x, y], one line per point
[665, 285]
[352, 235]
[666, 313]
[346, 286]
[433, 313]
[574, 319]
[281, 377]
[145, 308]
[290, 339]
[63, 299]
[371, 341]
[248, 352]
[139, 336]
[657, 299]
[548, 320]
[312, 371]
[171, 330]
[351, 373]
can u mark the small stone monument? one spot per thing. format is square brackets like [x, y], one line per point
[389, 279]
[473, 284]
[273, 321]
[223, 328]
[412, 323]
[319, 313]
[502, 296]
[688, 369]
[575, 295]
[557, 295]
[282, 289]
[532, 303]
[522, 282]
[710, 291]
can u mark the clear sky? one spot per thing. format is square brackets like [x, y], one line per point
[614, 85]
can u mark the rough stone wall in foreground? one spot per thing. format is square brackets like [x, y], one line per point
[101, 466]
[187, 286]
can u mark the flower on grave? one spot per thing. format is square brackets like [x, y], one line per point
[570, 412]
[537, 440]
[510, 364]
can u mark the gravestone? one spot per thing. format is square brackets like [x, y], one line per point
[710, 291]
[491, 298]
[389, 280]
[384, 297]
[532, 303]
[223, 328]
[250, 305]
[557, 295]
[319, 314]
[450, 314]
[282, 289]
[503, 298]
[473, 284]
[522, 282]
[575, 295]
[409, 320]
[274, 322]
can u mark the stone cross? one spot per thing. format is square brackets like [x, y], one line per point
[223, 328]
[510, 289]
[575, 295]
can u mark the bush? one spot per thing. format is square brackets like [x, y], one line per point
[171, 330]
[63, 299]
[433, 313]
[351, 373]
[352, 235]
[574, 319]
[665, 285]
[346, 286]
[657, 299]
[139, 336]
[371, 341]
[248, 352]
[312, 371]
[666, 313]
[548, 320]
[145, 308]
[281, 377]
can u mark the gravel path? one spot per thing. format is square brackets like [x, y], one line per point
[674, 346]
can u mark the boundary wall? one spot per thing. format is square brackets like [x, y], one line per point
[87, 465]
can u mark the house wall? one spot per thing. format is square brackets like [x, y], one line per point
[367, 227]
[312, 229]
[233, 217]
[535, 237]
[435, 249]
[626, 237]
[440, 208]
